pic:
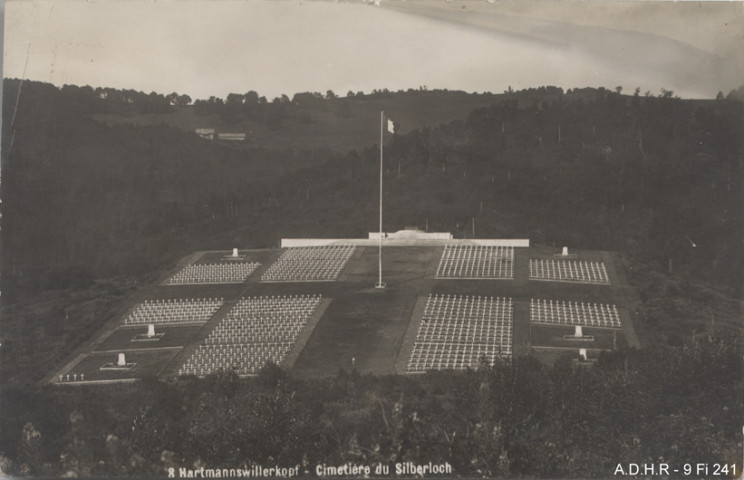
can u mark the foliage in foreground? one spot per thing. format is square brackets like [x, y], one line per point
[674, 405]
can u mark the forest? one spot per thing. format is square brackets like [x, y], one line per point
[93, 210]
[646, 175]
[674, 405]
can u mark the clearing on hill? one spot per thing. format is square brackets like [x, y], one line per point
[313, 308]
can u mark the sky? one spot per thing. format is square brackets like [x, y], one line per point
[211, 48]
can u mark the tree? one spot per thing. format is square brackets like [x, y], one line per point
[736, 94]
[184, 100]
[251, 98]
[231, 113]
[234, 99]
[251, 103]
[202, 107]
[29, 449]
[307, 99]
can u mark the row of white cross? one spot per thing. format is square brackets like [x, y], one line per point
[197, 310]
[255, 331]
[444, 356]
[568, 271]
[244, 359]
[476, 261]
[453, 308]
[233, 272]
[478, 333]
[309, 263]
[456, 331]
[574, 313]
[275, 307]
[251, 333]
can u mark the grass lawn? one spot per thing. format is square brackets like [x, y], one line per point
[121, 338]
[552, 336]
[146, 363]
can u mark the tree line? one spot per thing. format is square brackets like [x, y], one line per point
[517, 418]
[658, 178]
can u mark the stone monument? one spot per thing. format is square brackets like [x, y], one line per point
[120, 365]
[579, 335]
[150, 336]
[564, 254]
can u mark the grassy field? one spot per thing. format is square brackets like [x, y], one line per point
[146, 364]
[259, 256]
[174, 336]
[552, 336]
[365, 323]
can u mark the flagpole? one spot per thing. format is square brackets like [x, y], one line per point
[379, 279]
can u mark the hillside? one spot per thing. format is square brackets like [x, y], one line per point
[339, 123]
[657, 179]
[648, 176]
[93, 210]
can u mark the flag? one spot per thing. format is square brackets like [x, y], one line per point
[390, 126]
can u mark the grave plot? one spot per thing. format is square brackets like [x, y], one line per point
[553, 336]
[116, 367]
[568, 271]
[459, 332]
[476, 262]
[559, 312]
[256, 331]
[199, 273]
[309, 264]
[149, 336]
[173, 311]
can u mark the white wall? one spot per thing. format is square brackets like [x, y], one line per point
[403, 241]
